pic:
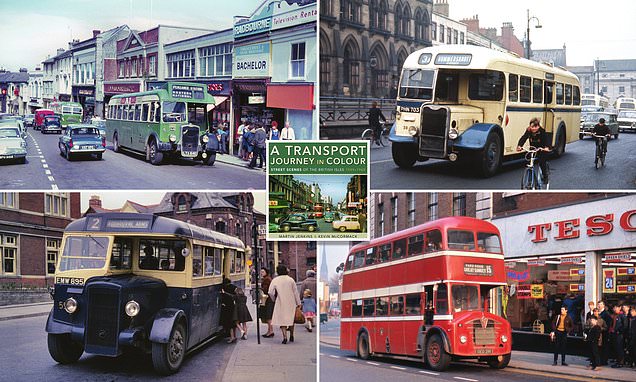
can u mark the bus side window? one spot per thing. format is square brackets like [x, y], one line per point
[513, 88]
[397, 305]
[429, 311]
[356, 308]
[121, 254]
[349, 263]
[385, 253]
[433, 241]
[368, 307]
[441, 300]
[399, 249]
[358, 260]
[381, 306]
[525, 89]
[144, 112]
[416, 245]
[371, 256]
[413, 303]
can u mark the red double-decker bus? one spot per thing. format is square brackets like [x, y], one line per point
[318, 210]
[433, 292]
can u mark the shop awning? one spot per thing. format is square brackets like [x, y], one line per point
[219, 100]
[291, 96]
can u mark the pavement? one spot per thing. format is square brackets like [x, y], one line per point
[542, 362]
[234, 160]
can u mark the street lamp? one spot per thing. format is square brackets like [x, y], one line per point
[528, 33]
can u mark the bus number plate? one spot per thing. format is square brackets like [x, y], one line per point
[189, 154]
[483, 351]
[409, 109]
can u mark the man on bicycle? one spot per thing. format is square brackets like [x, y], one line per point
[539, 139]
[374, 121]
[603, 130]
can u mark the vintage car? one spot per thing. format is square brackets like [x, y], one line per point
[627, 120]
[346, 223]
[39, 117]
[329, 217]
[51, 123]
[592, 119]
[100, 124]
[12, 145]
[82, 140]
[29, 120]
[299, 222]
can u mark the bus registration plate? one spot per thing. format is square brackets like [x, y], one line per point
[483, 351]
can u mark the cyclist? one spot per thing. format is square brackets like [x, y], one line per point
[601, 129]
[375, 114]
[539, 139]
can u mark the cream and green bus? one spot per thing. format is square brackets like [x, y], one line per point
[170, 120]
[69, 112]
[470, 103]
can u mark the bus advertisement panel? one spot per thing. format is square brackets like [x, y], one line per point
[431, 292]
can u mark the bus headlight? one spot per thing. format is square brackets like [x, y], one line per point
[504, 338]
[413, 130]
[70, 305]
[205, 138]
[132, 308]
[463, 339]
[173, 138]
[453, 133]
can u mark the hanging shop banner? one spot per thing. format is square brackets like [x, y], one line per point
[626, 271]
[572, 260]
[577, 287]
[536, 291]
[560, 275]
[618, 256]
[536, 263]
[524, 291]
[626, 288]
[518, 276]
[609, 280]
[577, 272]
[252, 60]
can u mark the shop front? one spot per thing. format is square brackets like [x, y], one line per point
[568, 255]
[296, 100]
[85, 95]
[114, 88]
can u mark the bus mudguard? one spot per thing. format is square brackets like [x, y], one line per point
[55, 327]
[399, 138]
[437, 330]
[162, 146]
[474, 138]
[163, 323]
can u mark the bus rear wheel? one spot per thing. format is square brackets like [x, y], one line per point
[436, 357]
[154, 155]
[63, 349]
[404, 154]
[363, 346]
[499, 362]
[167, 358]
[560, 143]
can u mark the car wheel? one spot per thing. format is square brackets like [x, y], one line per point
[560, 147]
[64, 350]
[342, 229]
[311, 228]
[286, 228]
[490, 158]
[616, 135]
[404, 154]
[67, 154]
[99, 156]
[209, 161]
[167, 358]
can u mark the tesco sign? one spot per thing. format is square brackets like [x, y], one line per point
[595, 225]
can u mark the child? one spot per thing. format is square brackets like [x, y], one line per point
[242, 312]
[309, 309]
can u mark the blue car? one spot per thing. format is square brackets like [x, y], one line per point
[83, 140]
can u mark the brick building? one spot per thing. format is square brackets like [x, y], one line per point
[31, 227]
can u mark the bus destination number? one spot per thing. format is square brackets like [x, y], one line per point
[409, 109]
[69, 280]
[477, 269]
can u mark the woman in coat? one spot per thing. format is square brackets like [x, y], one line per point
[283, 292]
[267, 309]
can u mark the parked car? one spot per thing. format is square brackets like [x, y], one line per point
[329, 217]
[12, 145]
[592, 119]
[627, 120]
[39, 117]
[346, 223]
[29, 120]
[82, 140]
[100, 124]
[297, 221]
[15, 123]
[51, 123]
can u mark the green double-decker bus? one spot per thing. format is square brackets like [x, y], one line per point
[168, 120]
[69, 112]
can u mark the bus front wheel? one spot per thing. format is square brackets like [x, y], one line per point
[491, 156]
[167, 358]
[499, 362]
[154, 155]
[363, 346]
[63, 349]
[404, 154]
[210, 159]
[436, 357]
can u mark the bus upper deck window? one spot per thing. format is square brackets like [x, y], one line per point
[489, 242]
[462, 240]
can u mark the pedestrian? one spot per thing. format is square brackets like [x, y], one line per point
[266, 307]
[375, 114]
[228, 309]
[258, 143]
[362, 220]
[274, 134]
[248, 133]
[616, 336]
[607, 318]
[309, 283]
[239, 138]
[631, 345]
[243, 315]
[283, 292]
[561, 325]
[222, 136]
[309, 309]
[287, 134]
[595, 342]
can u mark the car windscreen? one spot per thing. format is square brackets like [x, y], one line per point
[52, 121]
[627, 114]
[84, 252]
[595, 117]
[9, 133]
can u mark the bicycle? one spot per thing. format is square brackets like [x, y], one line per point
[533, 175]
[601, 149]
[383, 140]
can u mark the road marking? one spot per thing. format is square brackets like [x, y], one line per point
[398, 368]
[334, 356]
[54, 187]
[382, 161]
[51, 179]
[373, 363]
[467, 379]
[43, 160]
[548, 375]
[428, 372]
[45, 165]
[352, 359]
[47, 172]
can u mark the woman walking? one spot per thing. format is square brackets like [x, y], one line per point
[267, 309]
[242, 313]
[228, 309]
[285, 295]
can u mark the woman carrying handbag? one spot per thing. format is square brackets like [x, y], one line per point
[283, 292]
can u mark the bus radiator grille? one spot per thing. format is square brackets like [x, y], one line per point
[103, 317]
[484, 336]
[433, 133]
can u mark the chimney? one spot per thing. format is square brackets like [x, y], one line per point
[60, 51]
[507, 31]
[95, 202]
[472, 24]
[441, 7]
[96, 32]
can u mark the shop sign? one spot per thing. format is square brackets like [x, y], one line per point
[626, 288]
[559, 275]
[609, 280]
[536, 291]
[276, 15]
[255, 100]
[577, 272]
[536, 263]
[477, 269]
[219, 87]
[627, 256]
[510, 264]
[572, 260]
[519, 276]
[523, 291]
[626, 271]
[577, 287]
[121, 88]
[596, 225]
[251, 60]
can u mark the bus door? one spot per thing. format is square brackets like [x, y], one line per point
[548, 109]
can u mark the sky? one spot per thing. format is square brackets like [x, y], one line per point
[336, 253]
[116, 199]
[33, 29]
[589, 29]
[332, 185]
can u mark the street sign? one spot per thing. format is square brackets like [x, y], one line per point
[262, 231]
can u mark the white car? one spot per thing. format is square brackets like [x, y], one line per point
[346, 223]
[627, 120]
